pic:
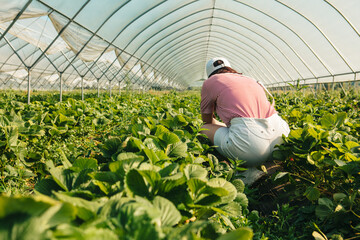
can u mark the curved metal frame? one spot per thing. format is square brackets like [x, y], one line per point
[225, 19]
[224, 43]
[150, 57]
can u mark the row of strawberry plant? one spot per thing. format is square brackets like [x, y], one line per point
[145, 149]
[321, 164]
[148, 180]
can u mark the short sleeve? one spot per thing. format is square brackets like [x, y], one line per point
[207, 104]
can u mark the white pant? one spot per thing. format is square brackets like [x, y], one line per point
[251, 139]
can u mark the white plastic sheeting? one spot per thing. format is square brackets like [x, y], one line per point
[159, 43]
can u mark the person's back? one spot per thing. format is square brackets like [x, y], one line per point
[235, 96]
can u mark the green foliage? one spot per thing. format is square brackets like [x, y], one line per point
[109, 172]
[320, 161]
[136, 166]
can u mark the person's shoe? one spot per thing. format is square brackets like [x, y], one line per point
[251, 175]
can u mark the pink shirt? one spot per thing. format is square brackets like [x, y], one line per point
[233, 95]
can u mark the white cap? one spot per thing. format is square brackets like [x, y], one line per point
[210, 68]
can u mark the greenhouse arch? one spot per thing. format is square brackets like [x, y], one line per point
[66, 45]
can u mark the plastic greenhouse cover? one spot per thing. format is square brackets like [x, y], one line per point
[167, 43]
[35, 34]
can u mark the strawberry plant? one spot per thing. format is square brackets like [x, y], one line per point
[136, 166]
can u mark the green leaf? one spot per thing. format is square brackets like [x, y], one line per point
[323, 211]
[85, 163]
[59, 214]
[242, 200]
[218, 191]
[178, 150]
[151, 176]
[128, 156]
[54, 131]
[312, 193]
[86, 210]
[110, 147]
[31, 205]
[277, 155]
[169, 213]
[227, 221]
[325, 208]
[317, 156]
[328, 120]
[355, 149]
[338, 197]
[232, 209]
[108, 177]
[151, 155]
[313, 133]
[350, 157]
[66, 163]
[134, 144]
[169, 138]
[136, 183]
[243, 233]
[191, 230]
[340, 118]
[222, 183]
[239, 185]
[58, 174]
[88, 233]
[180, 120]
[195, 185]
[20, 226]
[326, 202]
[350, 144]
[295, 113]
[208, 200]
[195, 171]
[160, 130]
[339, 162]
[125, 162]
[296, 134]
[62, 118]
[4, 121]
[139, 130]
[168, 170]
[167, 184]
[81, 178]
[12, 135]
[162, 155]
[152, 144]
[46, 186]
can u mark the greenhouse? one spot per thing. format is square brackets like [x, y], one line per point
[102, 121]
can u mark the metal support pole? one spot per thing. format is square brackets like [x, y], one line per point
[61, 90]
[119, 88]
[342, 88]
[29, 86]
[303, 90]
[82, 88]
[109, 88]
[98, 88]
